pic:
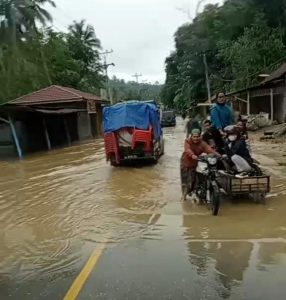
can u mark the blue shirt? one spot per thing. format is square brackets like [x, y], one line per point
[221, 116]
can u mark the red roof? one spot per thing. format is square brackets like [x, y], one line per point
[54, 94]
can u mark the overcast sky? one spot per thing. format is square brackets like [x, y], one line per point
[139, 31]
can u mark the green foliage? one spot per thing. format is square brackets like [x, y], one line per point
[37, 57]
[131, 90]
[240, 39]
[255, 50]
[18, 18]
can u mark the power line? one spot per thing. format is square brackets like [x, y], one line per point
[105, 66]
[136, 75]
[64, 13]
[56, 27]
[104, 54]
[254, 74]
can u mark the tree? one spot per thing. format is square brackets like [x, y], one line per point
[19, 18]
[84, 33]
[238, 38]
[134, 91]
[84, 47]
[253, 52]
[22, 69]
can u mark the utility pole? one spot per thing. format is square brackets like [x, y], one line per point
[199, 3]
[105, 66]
[207, 78]
[136, 75]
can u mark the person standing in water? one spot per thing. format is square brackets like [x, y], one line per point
[221, 114]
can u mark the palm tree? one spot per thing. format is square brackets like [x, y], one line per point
[85, 33]
[18, 17]
[38, 13]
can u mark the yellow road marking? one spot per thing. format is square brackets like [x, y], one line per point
[85, 272]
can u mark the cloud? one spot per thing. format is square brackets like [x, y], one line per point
[139, 31]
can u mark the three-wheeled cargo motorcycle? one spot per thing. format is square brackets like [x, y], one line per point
[132, 132]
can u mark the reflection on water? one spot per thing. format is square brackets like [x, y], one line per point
[236, 270]
[227, 260]
[54, 205]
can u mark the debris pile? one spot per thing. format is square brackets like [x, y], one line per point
[255, 122]
[274, 132]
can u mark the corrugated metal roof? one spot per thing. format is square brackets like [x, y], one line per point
[276, 74]
[54, 94]
[63, 111]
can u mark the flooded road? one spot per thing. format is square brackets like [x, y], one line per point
[57, 207]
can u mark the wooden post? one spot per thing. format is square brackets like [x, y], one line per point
[4, 120]
[99, 119]
[47, 135]
[248, 103]
[67, 131]
[15, 137]
[271, 106]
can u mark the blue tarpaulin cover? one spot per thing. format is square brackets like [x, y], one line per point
[134, 114]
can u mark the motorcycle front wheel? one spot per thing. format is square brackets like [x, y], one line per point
[215, 200]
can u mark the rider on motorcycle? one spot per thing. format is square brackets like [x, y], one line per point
[221, 113]
[194, 147]
[237, 151]
[213, 137]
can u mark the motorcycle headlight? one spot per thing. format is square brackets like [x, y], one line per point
[202, 168]
[212, 161]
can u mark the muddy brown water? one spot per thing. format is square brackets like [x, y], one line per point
[52, 205]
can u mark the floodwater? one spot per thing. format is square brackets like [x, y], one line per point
[56, 207]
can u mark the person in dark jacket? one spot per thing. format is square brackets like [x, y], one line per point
[241, 125]
[213, 137]
[221, 113]
[237, 152]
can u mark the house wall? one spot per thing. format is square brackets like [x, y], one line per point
[6, 141]
[5, 133]
[56, 131]
[84, 126]
[239, 106]
[260, 104]
[7, 146]
[93, 124]
[279, 108]
[99, 119]
[284, 106]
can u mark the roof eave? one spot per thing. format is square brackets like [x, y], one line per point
[31, 103]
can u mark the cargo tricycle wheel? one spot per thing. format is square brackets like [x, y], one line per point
[259, 197]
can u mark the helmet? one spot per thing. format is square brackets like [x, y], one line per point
[231, 130]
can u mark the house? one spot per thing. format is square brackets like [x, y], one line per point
[267, 97]
[49, 118]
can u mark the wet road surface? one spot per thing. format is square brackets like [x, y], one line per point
[72, 227]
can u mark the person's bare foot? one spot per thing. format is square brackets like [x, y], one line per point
[184, 197]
